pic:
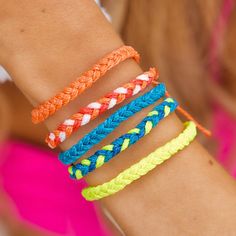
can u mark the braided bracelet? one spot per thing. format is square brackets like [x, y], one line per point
[44, 110]
[123, 142]
[142, 167]
[94, 109]
[110, 124]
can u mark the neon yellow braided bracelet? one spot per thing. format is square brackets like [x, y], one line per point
[144, 166]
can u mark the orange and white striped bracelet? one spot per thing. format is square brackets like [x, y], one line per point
[94, 109]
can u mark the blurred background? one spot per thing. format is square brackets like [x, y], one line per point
[192, 43]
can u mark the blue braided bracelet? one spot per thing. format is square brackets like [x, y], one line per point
[111, 123]
[103, 155]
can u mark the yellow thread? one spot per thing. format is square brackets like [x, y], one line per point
[78, 174]
[151, 113]
[108, 147]
[125, 144]
[144, 166]
[148, 127]
[135, 130]
[86, 162]
[166, 111]
[70, 170]
[169, 99]
[100, 161]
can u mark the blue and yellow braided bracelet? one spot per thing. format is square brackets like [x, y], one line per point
[110, 124]
[144, 166]
[103, 155]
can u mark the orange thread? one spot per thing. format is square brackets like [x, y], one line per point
[48, 108]
[190, 117]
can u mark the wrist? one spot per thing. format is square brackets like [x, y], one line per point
[42, 69]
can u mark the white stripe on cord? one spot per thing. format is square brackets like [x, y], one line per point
[4, 76]
[69, 122]
[94, 105]
[52, 136]
[121, 90]
[62, 136]
[136, 89]
[112, 103]
[86, 119]
[143, 77]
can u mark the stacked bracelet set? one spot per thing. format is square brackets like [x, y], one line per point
[78, 169]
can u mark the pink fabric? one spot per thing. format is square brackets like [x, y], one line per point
[42, 192]
[225, 132]
[217, 34]
[224, 129]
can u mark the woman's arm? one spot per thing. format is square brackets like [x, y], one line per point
[44, 46]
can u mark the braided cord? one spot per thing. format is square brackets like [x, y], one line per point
[105, 154]
[48, 108]
[94, 109]
[144, 166]
[110, 124]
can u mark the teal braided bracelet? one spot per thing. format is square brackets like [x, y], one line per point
[110, 124]
[103, 155]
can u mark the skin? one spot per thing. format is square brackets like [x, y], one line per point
[45, 45]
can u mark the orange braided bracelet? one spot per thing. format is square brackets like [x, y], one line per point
[94, 109]
[48, 108]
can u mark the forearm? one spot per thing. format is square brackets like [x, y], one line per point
[49, 47]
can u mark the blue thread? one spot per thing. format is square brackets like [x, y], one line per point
[111, 123]
[133, 137]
